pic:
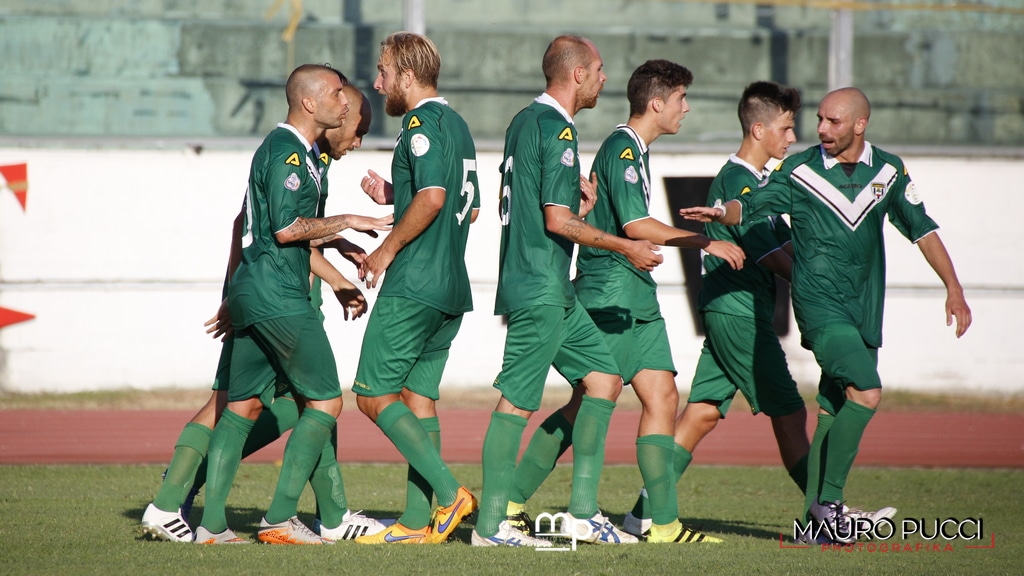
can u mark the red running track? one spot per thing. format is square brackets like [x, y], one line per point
[923, 439]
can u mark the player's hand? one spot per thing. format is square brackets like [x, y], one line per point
[349, 251]
[378, 189]
[352, 302]
[727, 251]
[220, 325]
[369, 225]
[643, 254]
[956, 306]
[702, 213]
[588, 194]
[374, 265]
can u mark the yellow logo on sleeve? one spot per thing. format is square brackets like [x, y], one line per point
[627, 154]
[566, 134]
[325, 158]
[293, 159]
[414, 122]
[745, 190]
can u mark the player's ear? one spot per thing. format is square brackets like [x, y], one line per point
[757, 130]
[657, 104]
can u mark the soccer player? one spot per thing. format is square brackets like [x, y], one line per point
[542, 220]
[623, 302]
[838, 195]
[426, 289]
[279, 342]
[186, 472]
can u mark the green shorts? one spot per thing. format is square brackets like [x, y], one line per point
[539, 337]
[635, 344]
[223, 377]
[292, 352]
[845, 360]
[405, 345]
[744, 354]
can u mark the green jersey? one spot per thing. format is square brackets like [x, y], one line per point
[750, 291]
[272, 280]
[839, 269]
[540, 168]
[434, 150]
[316, 296]
[605, 280]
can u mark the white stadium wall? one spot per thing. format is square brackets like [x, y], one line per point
[120, 254]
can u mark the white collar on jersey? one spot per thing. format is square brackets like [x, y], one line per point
[866, 156]
[759, 174]
[548, 99]
[636, 137]
[437, 99]
[293, 130]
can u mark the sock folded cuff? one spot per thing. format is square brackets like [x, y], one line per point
[238, 421]
[859, 409]
[195, 436]
[432, 424]
[660, 440]
[600, 404]
[320, 417]
[509, 419]
[391, 414]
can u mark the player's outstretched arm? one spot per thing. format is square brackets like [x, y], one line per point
[352, 302]
[377, 188]
[664, 235]
[316, 228]
[729, 214]
[560, 220]
[935, 253]
[588, 194]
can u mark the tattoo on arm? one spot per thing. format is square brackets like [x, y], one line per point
[574, 228]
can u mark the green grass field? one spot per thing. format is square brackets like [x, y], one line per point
[85, 520]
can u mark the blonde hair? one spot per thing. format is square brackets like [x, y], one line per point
[409, 51]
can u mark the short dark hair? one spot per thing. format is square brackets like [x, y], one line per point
[655, 79]
[763, 101]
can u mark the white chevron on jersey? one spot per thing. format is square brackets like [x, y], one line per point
[851, 213]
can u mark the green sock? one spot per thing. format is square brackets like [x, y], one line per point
[551, 439]
[654, 456]
[799, 474]
[271, 424]
[224, 457]
[843, 444]
[681, 458]
[404, 430]
[329, 485]
[588, 438]
[815, 458]
[189, 453]
[418, 493]
[501, 447]
[301, 453]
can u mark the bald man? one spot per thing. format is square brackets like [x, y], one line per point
[278, 337]
[838, 194]
[543, 202]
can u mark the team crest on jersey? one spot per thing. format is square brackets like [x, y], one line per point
[293, 159]
[419, 144]
[878, 189]
[292, 182]
[627, 154]
[414, 122]
[631, 175]
[566, 134]
[568, 157]
[911, 194]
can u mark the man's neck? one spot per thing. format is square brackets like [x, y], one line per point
[645, 127]
[565, 96]
[751, 153]
[306, 126]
